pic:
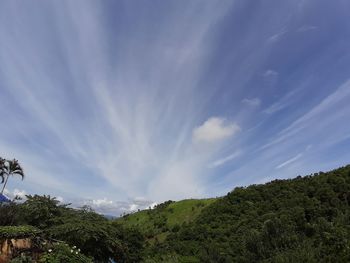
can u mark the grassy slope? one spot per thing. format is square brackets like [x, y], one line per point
[149, 222]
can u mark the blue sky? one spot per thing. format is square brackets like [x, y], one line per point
[119, 104]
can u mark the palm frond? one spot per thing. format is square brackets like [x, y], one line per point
[15, 168]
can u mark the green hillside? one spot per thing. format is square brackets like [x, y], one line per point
[167, 217]
[306, 219]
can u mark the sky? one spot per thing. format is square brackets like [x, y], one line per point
[124, 104]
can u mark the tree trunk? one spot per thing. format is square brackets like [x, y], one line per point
[3, 188]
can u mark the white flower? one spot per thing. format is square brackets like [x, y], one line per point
[71, 251]
[79, 249]
[50, 250]
[76, 253]
[74, 247]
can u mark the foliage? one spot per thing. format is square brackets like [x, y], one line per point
[304, 219]
[91, 232]
[155, 224]
[132, 241]
[22, 259]
[42, 211]
[61, 252]
[96, 236]
[18, 232]
[10, 214]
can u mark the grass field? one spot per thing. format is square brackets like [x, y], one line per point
[156, 223]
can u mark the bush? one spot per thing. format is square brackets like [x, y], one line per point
[61, 252]
[18, 232]
[10, 214]
[22, 259]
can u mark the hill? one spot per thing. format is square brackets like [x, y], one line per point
[155, 224]
[306, 219]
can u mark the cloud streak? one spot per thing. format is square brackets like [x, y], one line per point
[224, 160]
[291, 160]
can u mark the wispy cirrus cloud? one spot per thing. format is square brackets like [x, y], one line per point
[124, 124]
[106, 101]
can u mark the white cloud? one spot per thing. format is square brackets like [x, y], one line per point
[179, 180]
[133, 207]
[215, 129]
[255, 102]
[15, 193]
[102, 202]
[224, 160]
[106, 206]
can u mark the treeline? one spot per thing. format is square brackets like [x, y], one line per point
[306, 219]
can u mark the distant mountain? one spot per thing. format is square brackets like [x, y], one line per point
[110, 217]
[306, 219]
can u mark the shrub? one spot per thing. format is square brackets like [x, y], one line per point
[61, 252]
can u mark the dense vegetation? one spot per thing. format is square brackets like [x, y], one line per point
[156, 224]
[60, 232]
[306, 219]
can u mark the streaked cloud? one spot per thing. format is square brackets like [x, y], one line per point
[282, 103]
[277, 36]
[306, 28]
[289, 161]
[255, 102]
[225, 159]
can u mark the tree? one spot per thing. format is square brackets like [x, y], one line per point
[9, 168]
[2, 165]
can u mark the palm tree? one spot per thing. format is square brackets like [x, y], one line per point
[2, 164]
[8, 168]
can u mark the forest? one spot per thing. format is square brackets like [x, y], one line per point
[305, 219]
